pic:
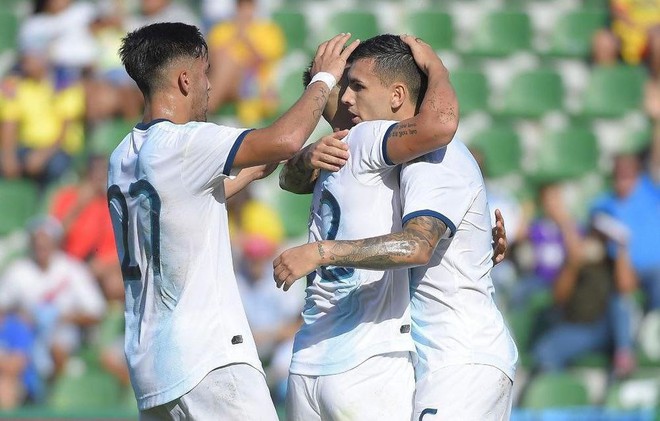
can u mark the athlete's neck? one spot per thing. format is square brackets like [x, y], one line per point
[163, 105]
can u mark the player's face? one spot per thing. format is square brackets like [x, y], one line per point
[366, 98]
[201, 88]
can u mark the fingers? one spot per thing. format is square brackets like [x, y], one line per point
[340, 134]
[348, 50]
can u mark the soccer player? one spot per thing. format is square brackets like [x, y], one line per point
[466, 355]
[189, 348]
[352, 356]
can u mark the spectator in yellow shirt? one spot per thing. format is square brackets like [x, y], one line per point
[41, 128]
[634, 35]
[244, 52]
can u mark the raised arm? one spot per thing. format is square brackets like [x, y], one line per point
[300, 172]
[436, 122]
[281, 140]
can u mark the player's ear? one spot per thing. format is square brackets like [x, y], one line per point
[398, 96]
[184, 82]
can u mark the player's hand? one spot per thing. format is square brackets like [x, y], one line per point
[424, 54]
[500, 243]
[328, 153]
[295, 263]
[331, 56]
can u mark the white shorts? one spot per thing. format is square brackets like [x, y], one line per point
[467, 392]
[381, 388]
[232, 392]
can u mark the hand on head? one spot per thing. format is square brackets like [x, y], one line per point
[331, 56]
[424, 55]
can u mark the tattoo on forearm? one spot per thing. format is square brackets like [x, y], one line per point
[320, 100]
[403, 129]
[296, 177]
[321, 251]
[391, 250]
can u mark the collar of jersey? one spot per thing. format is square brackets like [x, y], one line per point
[145, 126]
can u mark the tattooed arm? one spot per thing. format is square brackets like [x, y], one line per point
[413, 246]
[436, 122]
[300, 172]
[284, 138]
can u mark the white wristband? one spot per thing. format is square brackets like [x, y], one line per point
[326, 78]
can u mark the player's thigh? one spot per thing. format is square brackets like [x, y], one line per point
[301, 398]
[471, 392]
[381, 388]
[236, 391]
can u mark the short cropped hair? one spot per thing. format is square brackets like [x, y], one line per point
[393, 61]
[147, 51]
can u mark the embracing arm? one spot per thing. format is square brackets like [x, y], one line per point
[413, 246]
[245, 177]
[437, 121]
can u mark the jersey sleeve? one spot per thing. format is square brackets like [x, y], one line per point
[368, 147]
[209, 155]
[436, 190]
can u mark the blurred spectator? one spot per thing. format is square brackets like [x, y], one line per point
[244, 52]
[156, 11]
[635, 202]
[18, 377]
[83, 211]
[40, 126]
[591, 309]
[57, 292]
[634, 35]
[58, 25]
[110, 90]
[544, 245]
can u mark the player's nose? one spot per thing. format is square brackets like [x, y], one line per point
[348, 98]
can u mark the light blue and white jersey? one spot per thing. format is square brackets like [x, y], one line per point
[455, 319]
[184, 316]
[351, 315]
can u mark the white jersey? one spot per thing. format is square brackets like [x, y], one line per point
[184, 316]
[455, 319]
[351, 315]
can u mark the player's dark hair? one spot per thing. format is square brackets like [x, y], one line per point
[307, 75]
[393, 60]
[146, 51]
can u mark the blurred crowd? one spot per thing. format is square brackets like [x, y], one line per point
[577, 282]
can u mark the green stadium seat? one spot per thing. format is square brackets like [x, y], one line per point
[18, 204]
[472, 90]
[361, 24]
[8, 30]
[565, 154]
[434, 27]
[501, 151]
[613, 91]
[294, 211]
[502, 33]
[91, 389]
[294, 26]
[554, 390]
[108, 134]
[573, 32]
[532, 94]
